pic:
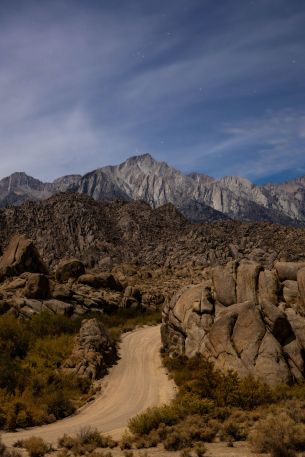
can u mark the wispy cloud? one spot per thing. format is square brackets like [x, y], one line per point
[257, 148]
[84, 84]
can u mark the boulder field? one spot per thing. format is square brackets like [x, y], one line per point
[243, 317]
[28, 288]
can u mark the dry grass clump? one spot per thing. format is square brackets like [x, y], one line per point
[96, 453]
[127, 441]
[5, 452]
[86, 441]
[35, 446]
[278, 435]
[200, 449]
[128, 453]
[238, 425]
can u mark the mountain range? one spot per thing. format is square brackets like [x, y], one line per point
[197, 196]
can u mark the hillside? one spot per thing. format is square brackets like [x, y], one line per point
[103, 234]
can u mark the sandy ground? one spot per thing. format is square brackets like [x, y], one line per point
[240, 449]
[135, 383]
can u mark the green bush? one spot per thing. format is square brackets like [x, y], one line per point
[90, 435]
[198, 377]
[87, 440]
[33, 390]
[59, 406]
[144, 423]
[14, 337]
[128, 319]
[176, 441]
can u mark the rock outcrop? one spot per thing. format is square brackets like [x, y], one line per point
[20, 256]
[67, 269]
[243, 317]
[70, 290]
[37, 286]
[93, 353]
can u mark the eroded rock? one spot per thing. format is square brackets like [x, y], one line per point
[67, 269]
[258, 336]
[20, 255]
[37, 286]
[93, 353]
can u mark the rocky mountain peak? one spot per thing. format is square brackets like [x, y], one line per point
[20, 179]
[198, 196]
[201, 178]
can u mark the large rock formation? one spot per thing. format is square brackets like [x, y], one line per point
[71, 268]
[93, 353]
[243, 317]
[20, 256]
[70, 290]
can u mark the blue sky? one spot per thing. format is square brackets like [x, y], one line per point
[211, 86]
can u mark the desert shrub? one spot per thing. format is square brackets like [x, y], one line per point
[197, 428]
[144, 423]
[200, 449]
[279, 435]
[128, 453]
[87, 440]
[59, 405]
[295, 408]
[128, 319]
[126, 441]
[99, 454]
[198, 377]
[147, 441]
[5, 452]
[191, 403]
[237, 426]
[14, 337]
[66, 441]
[36, 446]
[46, 324]
[176, 441]
[186, 453]
[90, 435]
[233, 430]
[253, 392]
[32, 389]
[2, 447]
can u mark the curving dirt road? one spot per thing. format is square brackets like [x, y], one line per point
[135, 383]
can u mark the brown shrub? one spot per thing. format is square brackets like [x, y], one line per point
[237, 426]
[279, 435]
[200, 449]
[126, 441]
[86, 441]
[5, 452]
[36, 446]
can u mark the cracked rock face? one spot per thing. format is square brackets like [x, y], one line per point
[93, 353]
[20, 255]
[242, 317]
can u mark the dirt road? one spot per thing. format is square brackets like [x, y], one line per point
[135, 383]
